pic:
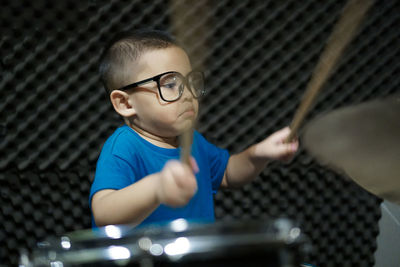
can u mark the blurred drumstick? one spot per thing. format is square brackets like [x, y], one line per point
[186, 144]
[190, 27]
[341, 36]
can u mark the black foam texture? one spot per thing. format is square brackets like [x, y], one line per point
[258, 57]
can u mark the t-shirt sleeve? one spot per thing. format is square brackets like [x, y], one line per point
[217, 159]
[112, 172]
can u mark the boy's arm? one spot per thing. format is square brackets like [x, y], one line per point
[131, 204]
[174, 186]
[243, 167]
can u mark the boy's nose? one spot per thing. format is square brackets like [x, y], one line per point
[186, 94]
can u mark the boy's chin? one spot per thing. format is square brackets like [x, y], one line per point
[186, 125]
[178, 127]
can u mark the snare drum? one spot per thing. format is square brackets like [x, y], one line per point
[179, 243]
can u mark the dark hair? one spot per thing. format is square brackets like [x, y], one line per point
[125, 48]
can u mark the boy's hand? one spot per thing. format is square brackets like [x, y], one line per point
[275, 147]
[177, 183]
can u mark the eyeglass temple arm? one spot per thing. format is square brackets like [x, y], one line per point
[133, 85]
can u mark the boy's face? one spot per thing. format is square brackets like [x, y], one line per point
[152, 114]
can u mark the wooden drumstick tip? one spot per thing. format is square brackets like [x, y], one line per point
[342, 34]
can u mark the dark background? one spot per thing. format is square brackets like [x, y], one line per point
[258, 56]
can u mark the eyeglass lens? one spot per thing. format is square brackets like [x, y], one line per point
[172, 85]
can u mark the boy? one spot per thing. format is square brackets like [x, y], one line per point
[139, 179]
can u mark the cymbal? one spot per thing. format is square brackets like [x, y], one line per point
[361, 142]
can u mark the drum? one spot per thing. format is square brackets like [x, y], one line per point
[178, 243]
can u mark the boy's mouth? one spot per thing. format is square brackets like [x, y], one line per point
[188, 112]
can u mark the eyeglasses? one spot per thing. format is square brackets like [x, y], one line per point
[171, 84]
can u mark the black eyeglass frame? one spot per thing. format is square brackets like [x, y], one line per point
[157, 80]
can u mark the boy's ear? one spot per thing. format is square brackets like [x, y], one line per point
[121, 103]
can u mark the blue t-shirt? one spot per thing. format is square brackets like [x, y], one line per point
[126, 158]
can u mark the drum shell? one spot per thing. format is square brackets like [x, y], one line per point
[179, 243]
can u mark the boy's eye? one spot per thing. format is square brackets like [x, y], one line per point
[170, 82]
[170, 85]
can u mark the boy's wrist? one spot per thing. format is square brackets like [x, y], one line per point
[256, 154]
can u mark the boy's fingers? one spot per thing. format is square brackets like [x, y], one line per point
[181, 173]
[294, 145]
[284, 150]
[281, 134]
[194, 166]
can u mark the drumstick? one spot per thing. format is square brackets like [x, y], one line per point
[341, 36]
[186, 144]
[190, 33]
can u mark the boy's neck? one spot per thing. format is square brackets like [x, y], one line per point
[165, 142]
